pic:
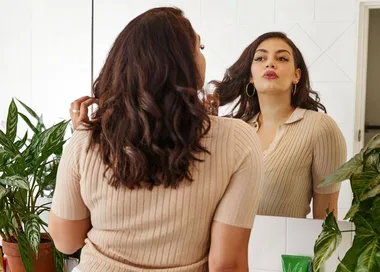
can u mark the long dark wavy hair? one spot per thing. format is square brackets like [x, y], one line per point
[236, 78]
[150, 122]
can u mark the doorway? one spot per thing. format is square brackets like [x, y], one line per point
[367, 112]
[372, 107]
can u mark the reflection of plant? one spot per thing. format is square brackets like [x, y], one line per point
[28, 166]
[363, 170]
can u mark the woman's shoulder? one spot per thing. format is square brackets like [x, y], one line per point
[235, 130]
[230, 124]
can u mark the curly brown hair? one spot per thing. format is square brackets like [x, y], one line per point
[150, 122]
[233, 85]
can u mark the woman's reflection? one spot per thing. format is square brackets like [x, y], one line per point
[300, 145]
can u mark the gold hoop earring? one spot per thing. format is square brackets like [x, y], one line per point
[250, 89]
[294, 89]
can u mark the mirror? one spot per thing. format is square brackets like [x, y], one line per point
[52, 51]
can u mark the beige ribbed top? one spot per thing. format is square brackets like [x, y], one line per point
[162, 229]
[306, 149]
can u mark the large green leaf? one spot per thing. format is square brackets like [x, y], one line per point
[361, 182]
[15, 181]
[33, 234]
[345, 171]
[363, 227]
[327, 242]
[350, 260]
[373, 192]
[25, 252]
[367, 260]
[28, 122]
[12, 120]
[8, 145]
[374, 143]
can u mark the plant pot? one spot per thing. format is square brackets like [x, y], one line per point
[44, 263]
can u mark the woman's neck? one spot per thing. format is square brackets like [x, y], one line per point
[275, 109]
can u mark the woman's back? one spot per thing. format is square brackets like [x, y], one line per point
[163, 228]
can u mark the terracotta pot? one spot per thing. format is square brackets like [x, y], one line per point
[44, 263]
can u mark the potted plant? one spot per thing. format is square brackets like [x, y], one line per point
[363, 171]
[28, 166]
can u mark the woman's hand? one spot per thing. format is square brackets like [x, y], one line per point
[79, 110]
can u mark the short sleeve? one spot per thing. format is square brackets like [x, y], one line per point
[67, 200]
[240, 201]
[330, 152]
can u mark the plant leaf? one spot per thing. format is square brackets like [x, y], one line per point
[25, 252]
[367, 260]
[33, 233]
[28, 122]
[327, 241]
[58, 260]
[374, 143]
[29, 110]
[350, 260]
[15, 181]
[8, 144]
[372, 193]
[363, 227]
[345, 171]
[375, 214]
[53, 141]
[3, 192]
[19, 144]
[360, 182]
[353, 210]
[12, 120]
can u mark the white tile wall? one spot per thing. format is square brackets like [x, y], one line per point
[254, 12]
[310, 50]
[294, 11]
[267, 243]
[343, 51]
[335, 10]
[273, 236]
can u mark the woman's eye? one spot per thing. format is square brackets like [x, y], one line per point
[259, 59]
[282, 59]
[202, 46]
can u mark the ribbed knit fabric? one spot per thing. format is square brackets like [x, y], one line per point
[306, 149]
[163, 229]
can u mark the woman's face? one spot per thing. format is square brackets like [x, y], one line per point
[273, 69]
[200, 59]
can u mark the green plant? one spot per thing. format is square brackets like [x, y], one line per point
[363, 171]
[28, 166]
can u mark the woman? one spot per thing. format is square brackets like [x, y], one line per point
[152, 183]
[270, 85]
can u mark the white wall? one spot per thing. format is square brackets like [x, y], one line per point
[373, 71]
[44, 54]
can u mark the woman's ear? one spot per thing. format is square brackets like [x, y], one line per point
[297, 74]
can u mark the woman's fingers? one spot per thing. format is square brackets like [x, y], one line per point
[79, 110]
